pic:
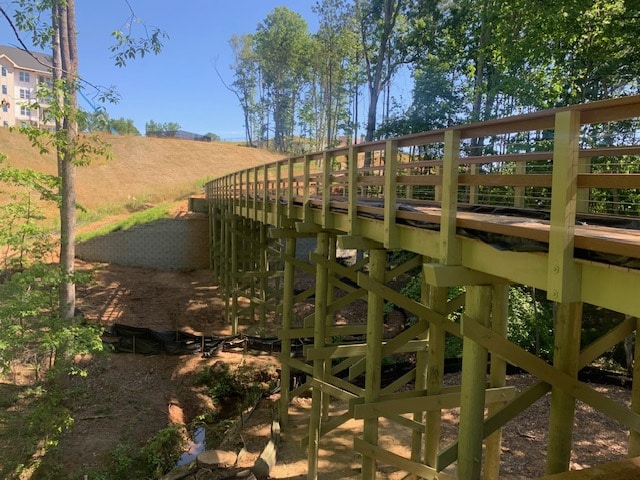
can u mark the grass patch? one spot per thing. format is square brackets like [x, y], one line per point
[138, 218]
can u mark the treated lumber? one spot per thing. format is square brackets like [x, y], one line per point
[423, 471]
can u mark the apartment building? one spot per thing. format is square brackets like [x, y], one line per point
[20, 74]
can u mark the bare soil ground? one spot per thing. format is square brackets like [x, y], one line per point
[127, 398]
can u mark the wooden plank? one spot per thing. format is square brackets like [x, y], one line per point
[332, 390]
[423, 471]
[359, 350]
[453, 275]
[510, 180]
[609, 180]
[400, 382]
[426, 403]
[409, 305]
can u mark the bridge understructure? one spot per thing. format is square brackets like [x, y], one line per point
[538, 210]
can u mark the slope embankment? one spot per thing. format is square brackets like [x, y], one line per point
[140, 170]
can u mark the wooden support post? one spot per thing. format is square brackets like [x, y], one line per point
[253, 264]
[499, 320]
[287, 322]
[567, 329]
[264, 266]
[634, 435]
[319, 365]
[422, 377]
[234, 274]
[375, 329]
[474, 370]
[438, 303]
[329, 318]
[226, 253]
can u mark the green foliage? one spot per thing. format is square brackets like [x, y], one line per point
[161, 129]
[243, 385]
[160, 454]
[531, 321]
[148, 215]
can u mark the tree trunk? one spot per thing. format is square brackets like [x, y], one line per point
[65, 66]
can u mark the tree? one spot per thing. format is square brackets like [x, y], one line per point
[383, 46]
[245, 83]
[154, 129]
[123, 126]
[333, 63]
[282, 43]
[72, 150]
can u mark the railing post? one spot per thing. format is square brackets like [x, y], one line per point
[290, 187]
[391, 234]
[352, 209]
[305, 188]
[326, 190]
[255, 193]
[449, 244]
[278, 208]
[564, 279]
[265, 200]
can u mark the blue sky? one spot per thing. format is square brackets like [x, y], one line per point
[179, 85]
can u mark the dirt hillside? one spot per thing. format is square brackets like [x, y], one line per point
[141, 170]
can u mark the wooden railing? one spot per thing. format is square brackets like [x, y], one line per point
[444, 169]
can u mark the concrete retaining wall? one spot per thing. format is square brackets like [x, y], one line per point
[171, 244]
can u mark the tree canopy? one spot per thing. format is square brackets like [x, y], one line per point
[469, 60]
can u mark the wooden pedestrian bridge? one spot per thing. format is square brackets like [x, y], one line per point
[549, 200]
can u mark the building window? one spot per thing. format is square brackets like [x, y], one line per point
[25, 111]
[25, 93]
[4, 89]
[5, 107]
[4, 71]
[5, 123]
[24, 77]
